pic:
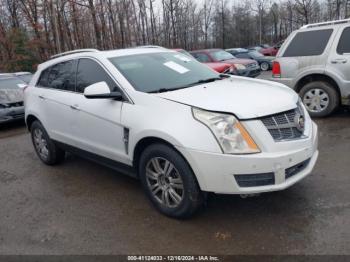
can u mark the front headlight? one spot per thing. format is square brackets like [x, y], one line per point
[232, 69]
[240, 66]
[232, 137]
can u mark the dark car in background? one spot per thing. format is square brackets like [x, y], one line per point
[265, 62]
[11, 98]
[244, 67]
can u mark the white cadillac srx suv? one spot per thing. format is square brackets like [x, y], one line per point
[171, 121]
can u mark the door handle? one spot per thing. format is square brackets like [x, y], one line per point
[74, 107]
[339, 61]
[42, 97]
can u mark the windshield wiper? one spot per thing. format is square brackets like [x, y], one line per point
[163, 90]
[202, 81]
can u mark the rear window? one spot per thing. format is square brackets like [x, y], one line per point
[344, 42]
[310, 43]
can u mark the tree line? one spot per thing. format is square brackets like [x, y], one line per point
[33, 30]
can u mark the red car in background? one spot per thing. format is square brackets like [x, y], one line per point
[222, 68]
[269, 51]
[266, 49]
[244, 67]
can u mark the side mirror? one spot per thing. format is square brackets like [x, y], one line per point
[101, 90]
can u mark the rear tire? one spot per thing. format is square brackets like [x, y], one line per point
[264, 66]
[320, 98]
[48, 152]
[169, 182]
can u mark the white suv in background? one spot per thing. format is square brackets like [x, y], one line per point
[315, 62]
[167, 119]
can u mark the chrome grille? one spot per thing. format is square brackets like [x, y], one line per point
[284, 126]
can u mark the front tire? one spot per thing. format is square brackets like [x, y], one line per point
[169, 182]
[48, 152]
[320, 98]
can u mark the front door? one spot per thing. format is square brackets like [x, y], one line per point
[98, 127]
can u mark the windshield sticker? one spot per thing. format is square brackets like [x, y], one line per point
[183, 58]
[176, 67]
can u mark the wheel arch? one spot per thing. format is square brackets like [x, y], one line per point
[30, 120]
[317, 77]
[145, 142]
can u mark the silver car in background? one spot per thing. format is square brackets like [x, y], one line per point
[315, 62]
[11, 98]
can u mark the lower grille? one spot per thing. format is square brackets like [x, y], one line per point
[291, 171]
[253, 180]
[287, 125]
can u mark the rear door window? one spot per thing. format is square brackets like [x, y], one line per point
[344, 42]
[62, 76]
[309, 43]
[90, 72]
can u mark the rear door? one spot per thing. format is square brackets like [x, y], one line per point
[339, 59]
[56, 87]
[98, 127]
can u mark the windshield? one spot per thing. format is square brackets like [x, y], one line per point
[221, 55]
[10, 83]
[256, 54]
[184, 52]
[162, 71]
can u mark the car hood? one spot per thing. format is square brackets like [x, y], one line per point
[11, 95]
[246, 98]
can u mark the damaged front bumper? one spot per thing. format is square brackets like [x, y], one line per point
[9, 114]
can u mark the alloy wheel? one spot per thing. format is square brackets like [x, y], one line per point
[41, 144]
[164, 182]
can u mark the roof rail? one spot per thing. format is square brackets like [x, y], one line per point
[149, 46]
[335, 22]
[74, 52]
